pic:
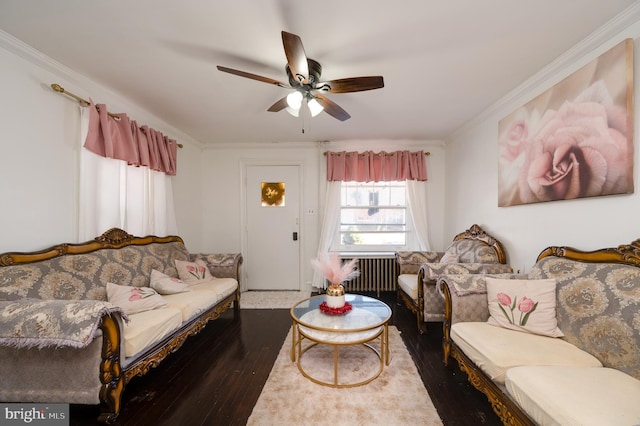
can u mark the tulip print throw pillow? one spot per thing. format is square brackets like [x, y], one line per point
[193, 272]
[134, 299]
[523, 305]
[165, 284]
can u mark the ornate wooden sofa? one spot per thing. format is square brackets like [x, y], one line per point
[471, 252]
[591, 375]
[62, 341]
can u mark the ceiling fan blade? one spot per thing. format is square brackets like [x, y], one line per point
[332, 108]
[296, 58]
[279, 105]
[252, 76]
[354, 84]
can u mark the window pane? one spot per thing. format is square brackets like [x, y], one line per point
[373, 214]
[373, 239]
[350, 216]
[397, 196]
[366, 194]
[372, 228]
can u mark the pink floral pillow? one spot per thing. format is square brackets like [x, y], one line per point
[164, 284]
[193, 272]
[523, 305]
[134, 299]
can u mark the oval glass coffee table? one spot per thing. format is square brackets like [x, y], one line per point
[365, 324]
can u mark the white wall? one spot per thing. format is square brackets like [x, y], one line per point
[525, 230]
[223, 189]
[39, 157]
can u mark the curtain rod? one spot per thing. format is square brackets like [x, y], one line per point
[83, 102]
[426, 153]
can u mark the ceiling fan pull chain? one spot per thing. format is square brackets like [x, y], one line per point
[305, 115]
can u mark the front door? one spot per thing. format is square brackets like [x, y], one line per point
[272, 203]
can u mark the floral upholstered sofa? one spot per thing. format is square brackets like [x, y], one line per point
[471, 252]
[559, 346]
[79, 321]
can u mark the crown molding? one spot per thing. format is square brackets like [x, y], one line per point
[589, 48]
[258, 145]
[25, 51]
[355, 143]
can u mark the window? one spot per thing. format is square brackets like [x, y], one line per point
[373, 217]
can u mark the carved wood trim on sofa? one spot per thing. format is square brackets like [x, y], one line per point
[156, 354]
[477, 233]
[508, 412]
[113, 238]
[110, 371]
[626, 254]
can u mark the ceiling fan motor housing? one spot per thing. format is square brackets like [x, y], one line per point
[315, 70]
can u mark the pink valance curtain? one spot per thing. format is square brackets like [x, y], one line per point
[378, 167]
[123, 139]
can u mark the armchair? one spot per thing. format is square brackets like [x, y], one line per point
[471, 252]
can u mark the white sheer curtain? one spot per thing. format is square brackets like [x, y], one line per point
[330, 223]
[417, 202]
[114, 194]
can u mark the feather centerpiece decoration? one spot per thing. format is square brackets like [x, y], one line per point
[334, 270]
[336, 273]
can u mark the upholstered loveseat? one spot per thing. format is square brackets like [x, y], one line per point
[579, 364]
[471, 252]
[79, 321]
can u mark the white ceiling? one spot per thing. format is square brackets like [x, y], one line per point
[443, 62]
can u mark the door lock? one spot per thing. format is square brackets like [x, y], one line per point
[295, 236]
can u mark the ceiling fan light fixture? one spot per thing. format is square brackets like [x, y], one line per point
[294, 112]
[314, 107]
[294, 100]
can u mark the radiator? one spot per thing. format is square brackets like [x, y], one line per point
[376, 274]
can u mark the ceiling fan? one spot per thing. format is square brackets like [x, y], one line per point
[304, 77]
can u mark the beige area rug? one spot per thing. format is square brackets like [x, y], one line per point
[271, 299]
[396, 397]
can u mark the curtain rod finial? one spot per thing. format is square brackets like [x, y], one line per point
[57, 88]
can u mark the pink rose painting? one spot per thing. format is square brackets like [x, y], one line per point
[573, 141]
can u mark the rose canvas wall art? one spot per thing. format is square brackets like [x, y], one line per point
[575, 140]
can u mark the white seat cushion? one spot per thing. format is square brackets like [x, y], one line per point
[575, 395]
[222, 287]
[148, 327]
[495, 350]
[409, 284]
[192, 303]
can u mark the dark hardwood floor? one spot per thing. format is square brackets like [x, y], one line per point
[216, 377]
